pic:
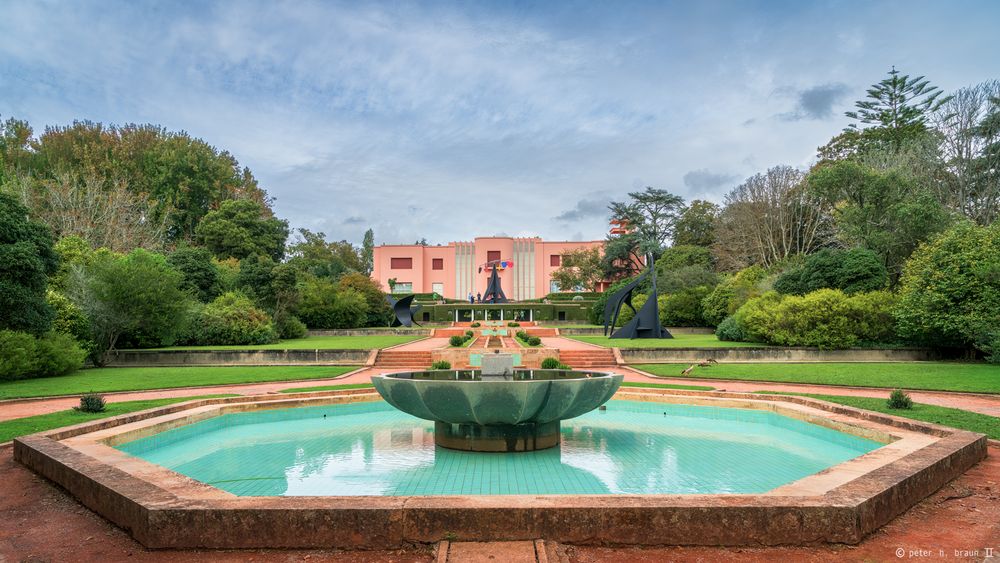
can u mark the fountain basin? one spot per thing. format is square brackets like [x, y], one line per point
[497, 413]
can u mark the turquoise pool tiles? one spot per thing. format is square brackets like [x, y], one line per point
[372, 449]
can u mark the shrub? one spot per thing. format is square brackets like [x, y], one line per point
[469, 333]
[513, 324]
[456, 340]
[534, 341]
[24, 356]
[731, 294]
[57, 354]
[69, 319]
[476, 324]
[852, 271]
[950, 290]
[441, 364]
[322, 306]
[730, 330]
[683, 308]
[521, 334]
[233, 319]
[826, 318]
[686, 277]
[200, 275]
[898, 399]
[91, 402]
[290, 327]
[550, 363]
[379, 313]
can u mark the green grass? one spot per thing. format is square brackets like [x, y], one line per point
[106, 380]
[318, 343]
[930, 376]
[678, 341]
[328, 388]
[956, 418]
[667, 386]
[11, 429]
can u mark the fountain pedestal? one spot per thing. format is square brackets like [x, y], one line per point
[511, 411]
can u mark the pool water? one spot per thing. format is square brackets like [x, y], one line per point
[373, 449]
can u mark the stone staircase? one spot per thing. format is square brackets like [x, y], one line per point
[403, 359]
[595, 357]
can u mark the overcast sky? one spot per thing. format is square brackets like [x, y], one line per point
[449, 121]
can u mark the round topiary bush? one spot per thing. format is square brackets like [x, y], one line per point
[550, 363]
[469, 333]
[534, 341]
[730, 330]
[898, 399]
[476, 325]
[456, 340]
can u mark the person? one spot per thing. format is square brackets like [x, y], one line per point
[471, 298]
[479, 297]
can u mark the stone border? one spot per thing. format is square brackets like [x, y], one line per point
[162, 509]
[778, 354]
[175, 358]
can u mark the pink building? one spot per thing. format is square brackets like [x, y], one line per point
[452, 271]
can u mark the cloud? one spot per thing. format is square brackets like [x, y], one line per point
[354, 220]
[816, 102]
[585, 209]
[704, 179]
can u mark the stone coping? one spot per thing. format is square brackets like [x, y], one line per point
[163, 509]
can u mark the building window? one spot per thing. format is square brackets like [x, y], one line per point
[438, 288]
[403, 287]
[492, 255]
[401, 263]
[437, 264]
[555, 260]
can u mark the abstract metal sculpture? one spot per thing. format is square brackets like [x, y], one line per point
[403, 313]
[646, 322]
[494, 293]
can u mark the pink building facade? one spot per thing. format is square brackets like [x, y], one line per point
[452, 270]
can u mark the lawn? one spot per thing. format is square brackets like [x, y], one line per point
[678, 341]
[105, 380]
[931, 376]
[328, 388]
[956, 418]
[11, 429]
[318, 343]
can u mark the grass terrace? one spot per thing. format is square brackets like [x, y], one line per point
[956, 418]
[107, 380]
[930, 376]
[11, 429]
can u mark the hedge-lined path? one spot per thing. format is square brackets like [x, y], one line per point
[980, 403]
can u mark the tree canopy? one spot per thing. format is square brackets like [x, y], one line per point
[242, 228]
[26, 262]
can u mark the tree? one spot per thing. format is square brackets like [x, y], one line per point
[696, 225]
[368, 253]
[580, 268]
[651, 216]
[26, 262]
[323, 307]
[106, 212]
[242, 228]
[314, 255]
[379, 312]
[972, 169]
[949, 294]
[897, 108]
[135, 298]
[851, 271]
[883, 211]
[770, 217]
[685, 266]
[199, 275]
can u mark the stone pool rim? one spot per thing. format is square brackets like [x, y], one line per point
[173, 511]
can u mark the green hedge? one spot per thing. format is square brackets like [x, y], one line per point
[23, 356]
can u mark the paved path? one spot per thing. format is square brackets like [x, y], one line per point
[984, 404]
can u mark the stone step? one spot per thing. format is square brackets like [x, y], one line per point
[526, 551]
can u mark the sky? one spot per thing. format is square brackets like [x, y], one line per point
[448, 121]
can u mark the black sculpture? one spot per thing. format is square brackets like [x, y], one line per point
[646, 322]
[401, 308]
[494, 293]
